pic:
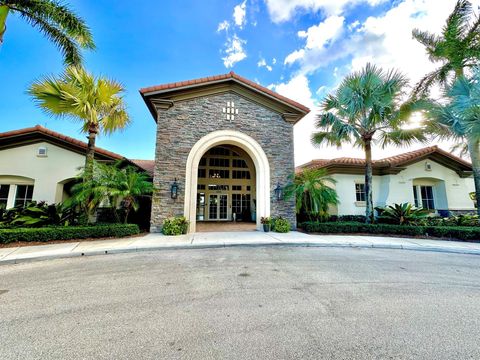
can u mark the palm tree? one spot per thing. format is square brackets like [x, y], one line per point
[130, 185]
[56, 21]
[457, 48]
[366, 109]
[313, 192]
[96, 102]
[110, 183]
[458, 118]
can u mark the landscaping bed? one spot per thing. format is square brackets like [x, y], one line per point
[46, 234]
[463, 233]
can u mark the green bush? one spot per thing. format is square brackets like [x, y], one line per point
[67, 232]
[280, 225]
[175, 226]
[452, 232]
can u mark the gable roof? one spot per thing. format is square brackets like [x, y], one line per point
[39, 133]
[147, 165]
[393, 164]
[167, 91]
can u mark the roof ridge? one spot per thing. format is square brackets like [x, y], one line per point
[230, 75]
[59, 136]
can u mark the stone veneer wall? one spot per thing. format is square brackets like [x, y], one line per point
[180, 127]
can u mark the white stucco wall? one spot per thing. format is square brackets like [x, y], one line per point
[21, 165]
[450, 190]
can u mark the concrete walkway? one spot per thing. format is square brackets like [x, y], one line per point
[226, 239]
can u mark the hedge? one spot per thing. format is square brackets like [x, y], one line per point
[67, 232]
[453, 232]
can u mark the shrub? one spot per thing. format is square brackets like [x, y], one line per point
[67, 232]
[453, 232]
[401, 214]
[38, 214]
[280, 225]
[175, 226]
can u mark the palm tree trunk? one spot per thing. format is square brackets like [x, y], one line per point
[368, 182]
[474, 149]
[92, 134]
[3, 21]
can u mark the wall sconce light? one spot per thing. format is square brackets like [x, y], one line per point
[278, 192]
[174, 189]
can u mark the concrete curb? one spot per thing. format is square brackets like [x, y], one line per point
[438, 249]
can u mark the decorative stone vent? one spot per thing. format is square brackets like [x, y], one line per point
[230, 110]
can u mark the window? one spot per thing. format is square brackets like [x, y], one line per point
[218, 174]
[423, 196]
[240, 174]
[240, 163]
[218, 162]
[219, 151]
[237, 187]
[203, 162]
[202, 173]
[240, 204]
[23, 195]
[360, 192]
[218, 187]
[4, 190]
[201, 187]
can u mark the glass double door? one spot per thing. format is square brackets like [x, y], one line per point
[217, 207]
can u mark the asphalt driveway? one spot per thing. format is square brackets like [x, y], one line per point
[243, 303]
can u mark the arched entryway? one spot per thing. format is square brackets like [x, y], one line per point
[233, 144]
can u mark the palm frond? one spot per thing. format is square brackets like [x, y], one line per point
[58, 23]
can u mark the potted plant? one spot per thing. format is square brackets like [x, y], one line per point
[266, 222]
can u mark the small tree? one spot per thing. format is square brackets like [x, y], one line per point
[313, 192]
[56, 21]
[366, 109]
[111, 184]
[96, 102]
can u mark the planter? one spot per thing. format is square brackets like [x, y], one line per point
[266, 227]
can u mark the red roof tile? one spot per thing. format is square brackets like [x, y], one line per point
[392, 161]
[147, 165]
[230, 75]
[42, 130]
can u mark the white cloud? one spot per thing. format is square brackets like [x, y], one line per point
[294, 56]
[274, 61]
[263, 63]
[239, 14]
[224, 25]
[234, 51]
[320, 35]
[284, 10]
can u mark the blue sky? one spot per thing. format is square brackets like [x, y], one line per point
[300, 48]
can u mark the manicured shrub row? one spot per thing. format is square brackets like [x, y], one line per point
[453, 232]
[67, 232]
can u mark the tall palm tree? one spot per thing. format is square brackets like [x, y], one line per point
[458, 118]
[457, 48]
[313, 192]
[96, 102]
[56, 21]
[365, 110]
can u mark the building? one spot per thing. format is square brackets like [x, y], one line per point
[40, 164]
[226, 144]
[430, 178]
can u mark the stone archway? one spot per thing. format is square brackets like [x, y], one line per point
[251, 147]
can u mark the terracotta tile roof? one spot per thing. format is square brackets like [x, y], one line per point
[388, 162]
[50, 133]
[230, 75]
[147, 165]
